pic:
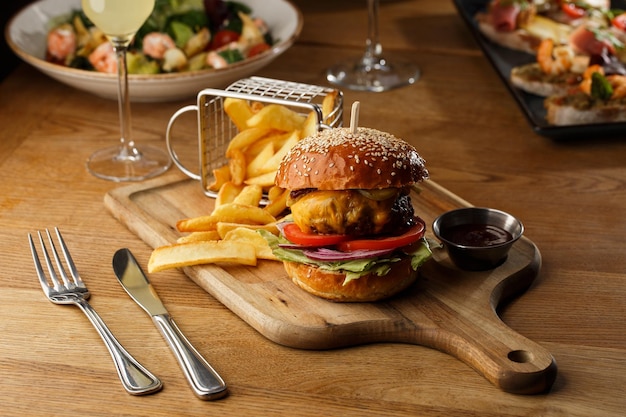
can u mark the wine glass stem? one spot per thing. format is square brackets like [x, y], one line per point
[373, 48]
[127, 150]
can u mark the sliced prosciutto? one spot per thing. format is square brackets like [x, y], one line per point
[587, 41]
[504, 17]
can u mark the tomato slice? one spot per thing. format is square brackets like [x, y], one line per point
[293, 233]
[257, 49]
[619, 21]
[224, 37]
[412, 235]
[572, 10]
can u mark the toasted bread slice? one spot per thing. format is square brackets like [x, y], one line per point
[578, 108]
[532, 79]
[519, 39]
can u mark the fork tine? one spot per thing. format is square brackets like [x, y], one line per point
[42, 276]
[46, 257]
[68, 259]
[57, 260]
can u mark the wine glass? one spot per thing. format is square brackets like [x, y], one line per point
[372, 72]
[120, 20]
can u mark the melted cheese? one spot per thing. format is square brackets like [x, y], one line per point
[342, 212]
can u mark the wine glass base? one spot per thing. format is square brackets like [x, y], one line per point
[360, 75]
[113, 165]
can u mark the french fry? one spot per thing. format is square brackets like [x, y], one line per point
[271, 165]
[261, 248]
[240, 213]
[256, 106]
[277, 139]
[199, 236]
[197, 224]
[239, 111]
[237, 164]
[264, 180]
[274, 192]
[328, 104]
[201, 252]
[277, 117]
[309, 127]
[228, 193]
[223, 228]
[255, 166]
[250, 195]
[245, 138]
[221, 175]
[230, 212]
[278, 204]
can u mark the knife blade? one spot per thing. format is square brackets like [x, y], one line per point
[204, 380]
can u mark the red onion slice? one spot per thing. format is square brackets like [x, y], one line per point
[331, 255]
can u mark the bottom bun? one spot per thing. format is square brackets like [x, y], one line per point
[371, 287]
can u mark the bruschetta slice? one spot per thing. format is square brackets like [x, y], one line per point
[599, 99]
[556, 70]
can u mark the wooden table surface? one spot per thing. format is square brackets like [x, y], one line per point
[571, 196]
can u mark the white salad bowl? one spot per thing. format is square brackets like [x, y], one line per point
[27, 32]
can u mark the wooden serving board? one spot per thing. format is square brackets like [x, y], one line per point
[447, 309]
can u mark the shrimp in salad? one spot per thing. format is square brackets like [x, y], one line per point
[155, 44]
[215, 60]
[61, 42]
[103, 58]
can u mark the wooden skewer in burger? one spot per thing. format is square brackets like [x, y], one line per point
[354, 235]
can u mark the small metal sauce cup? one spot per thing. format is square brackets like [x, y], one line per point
[477, 258]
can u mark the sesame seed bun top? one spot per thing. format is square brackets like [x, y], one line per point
[337, 159]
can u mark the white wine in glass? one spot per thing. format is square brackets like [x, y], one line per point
[372, 72]
[120, 20]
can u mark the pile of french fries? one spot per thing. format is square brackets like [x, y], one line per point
[266, 132]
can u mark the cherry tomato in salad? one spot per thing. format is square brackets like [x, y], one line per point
[572, 9]
[257, 49]
[224, 37]
[411, 236]
[293, 233]
[619, 21]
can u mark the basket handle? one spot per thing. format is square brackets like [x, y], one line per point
[168, 141]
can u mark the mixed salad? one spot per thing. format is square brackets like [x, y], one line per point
[179, 35]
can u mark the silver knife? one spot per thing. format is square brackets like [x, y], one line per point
[205, 382]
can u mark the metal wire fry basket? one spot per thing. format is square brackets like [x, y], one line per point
[216, 129]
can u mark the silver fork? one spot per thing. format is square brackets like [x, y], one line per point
[136, 379]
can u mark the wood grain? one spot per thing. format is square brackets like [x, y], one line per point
[570, 195]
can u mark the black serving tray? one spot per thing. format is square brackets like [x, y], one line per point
[504, 59]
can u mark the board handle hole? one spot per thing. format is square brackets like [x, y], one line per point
[520, 356]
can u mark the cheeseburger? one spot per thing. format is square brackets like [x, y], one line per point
[354, 235]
